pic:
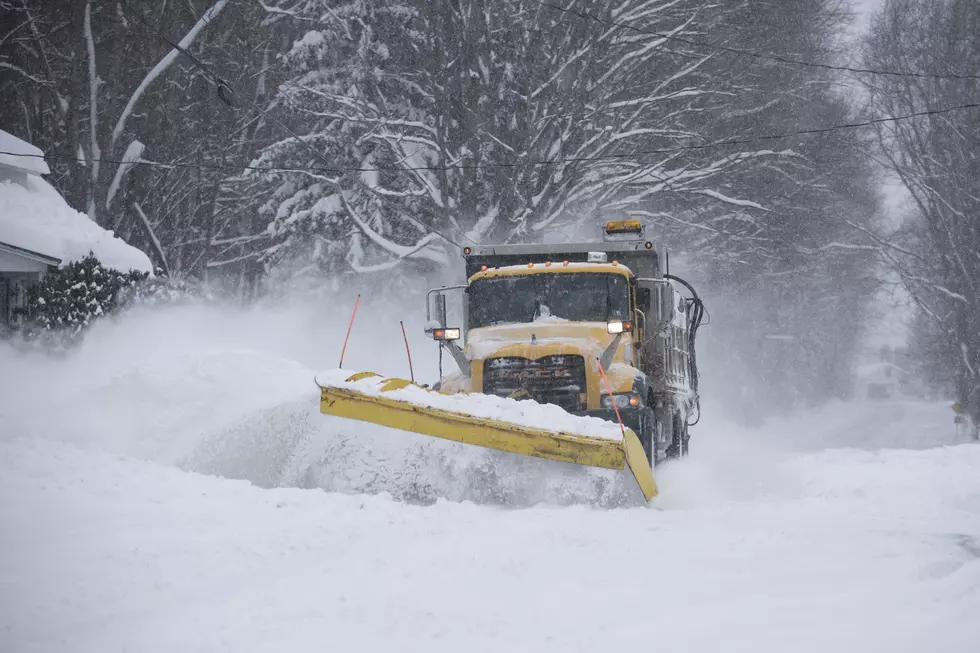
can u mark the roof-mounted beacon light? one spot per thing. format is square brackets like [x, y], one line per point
[624, 228]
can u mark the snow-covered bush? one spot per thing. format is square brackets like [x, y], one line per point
[57, 310]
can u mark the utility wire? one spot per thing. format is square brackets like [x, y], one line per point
[530, 162]
[751, 53]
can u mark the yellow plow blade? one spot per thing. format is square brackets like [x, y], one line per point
[489, 433]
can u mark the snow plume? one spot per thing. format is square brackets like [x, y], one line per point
[230, 392]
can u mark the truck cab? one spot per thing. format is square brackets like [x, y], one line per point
[595, 328]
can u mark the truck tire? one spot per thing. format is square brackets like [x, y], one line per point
[648, 435]
[679, 438]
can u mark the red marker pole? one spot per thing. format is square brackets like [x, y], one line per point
[349, 327]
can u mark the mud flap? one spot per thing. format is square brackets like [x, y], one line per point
[488, 433]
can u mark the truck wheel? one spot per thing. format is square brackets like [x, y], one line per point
[679, 439]
[685, 440]
[648, 435]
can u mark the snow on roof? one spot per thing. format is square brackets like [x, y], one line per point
[37, 218]
[33, 164]
[556, 266]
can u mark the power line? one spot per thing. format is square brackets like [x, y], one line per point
[756, 55]
[531, 162]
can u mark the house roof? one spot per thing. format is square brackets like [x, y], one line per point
[30, 159]
[26, 253]
[35, 218]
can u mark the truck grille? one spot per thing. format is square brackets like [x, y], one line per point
[549, 380]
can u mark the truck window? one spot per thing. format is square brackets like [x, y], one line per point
[585, 297]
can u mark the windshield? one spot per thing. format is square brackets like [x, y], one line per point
[586, 297]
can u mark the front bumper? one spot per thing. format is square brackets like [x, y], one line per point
[640, 420]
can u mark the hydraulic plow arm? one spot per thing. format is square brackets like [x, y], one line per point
[484, 432]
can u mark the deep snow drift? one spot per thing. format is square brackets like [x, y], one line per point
[856, 528]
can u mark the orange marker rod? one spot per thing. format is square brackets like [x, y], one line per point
[605, 380]
[349, 327]
[408, 351]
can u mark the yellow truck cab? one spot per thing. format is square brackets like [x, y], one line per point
[598, 329]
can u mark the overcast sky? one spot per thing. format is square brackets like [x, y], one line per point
[865, 7]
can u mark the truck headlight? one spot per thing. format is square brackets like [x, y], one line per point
[443, 334]
[626, 399]
[619, 326]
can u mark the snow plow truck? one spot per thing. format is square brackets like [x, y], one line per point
[580, 353]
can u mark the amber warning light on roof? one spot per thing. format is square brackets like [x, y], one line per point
[624, 227]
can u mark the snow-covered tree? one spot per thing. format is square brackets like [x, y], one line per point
[100, 89]
[474, 121]
[936, 159]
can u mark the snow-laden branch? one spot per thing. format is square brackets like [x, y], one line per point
[93, 82]
[18, 69]
[153, 238]
[400, 251]
[129, 159]
[729, 200]
[163, 64]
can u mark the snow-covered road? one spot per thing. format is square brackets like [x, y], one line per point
[771, 539]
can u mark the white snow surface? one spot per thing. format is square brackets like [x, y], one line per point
[32, 160]
[39, 219]
[521, 413]
[144, 507]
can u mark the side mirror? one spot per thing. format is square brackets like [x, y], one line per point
[436, 322]
[440, 308]
[436, 326]
[643, 296]
[659, 296]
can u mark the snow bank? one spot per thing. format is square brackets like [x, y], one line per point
[227, 391]
[111, 554]
[523, 413]
[761, 541]
[39, 219]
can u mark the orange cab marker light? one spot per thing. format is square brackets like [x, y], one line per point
[565, 263]
[483, 269]
[530, 265]
[547, 264]
[615, 262]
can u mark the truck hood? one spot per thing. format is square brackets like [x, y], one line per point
[536, 339]
[586, 339]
